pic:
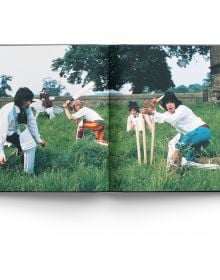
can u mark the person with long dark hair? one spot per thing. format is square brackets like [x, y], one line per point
[47, 103]
[135, 118]
[193, 132]
[12, 116]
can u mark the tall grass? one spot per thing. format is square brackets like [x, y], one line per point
[67, 165]
[64, 164]
[127, 175]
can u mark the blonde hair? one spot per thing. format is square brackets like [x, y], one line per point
[75, 103]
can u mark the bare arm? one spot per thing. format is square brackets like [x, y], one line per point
[69, 116]
[66, 107]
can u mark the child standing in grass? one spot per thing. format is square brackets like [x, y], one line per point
[136, 118]
[193, 132]
[90, 119]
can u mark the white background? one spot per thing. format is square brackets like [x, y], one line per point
[121, 235]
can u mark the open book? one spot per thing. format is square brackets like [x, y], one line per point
[121, 118]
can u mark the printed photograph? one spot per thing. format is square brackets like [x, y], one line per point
[109, 118]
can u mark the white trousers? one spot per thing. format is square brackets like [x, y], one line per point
[29, 159]
[50, 112]
[171, 149]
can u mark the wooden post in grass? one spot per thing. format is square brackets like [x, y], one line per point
[152, 142]
[77, 130]
[138, 142]
[144, 141]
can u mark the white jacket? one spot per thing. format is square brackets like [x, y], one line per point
[183, 119]
[132, 121]
[9, 124]
[88, 114]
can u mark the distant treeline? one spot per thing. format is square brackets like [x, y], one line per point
[193, 88]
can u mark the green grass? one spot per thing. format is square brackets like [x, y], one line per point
[64, 164]
[67, 165]
[127, 175]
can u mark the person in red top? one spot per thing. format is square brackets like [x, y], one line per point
[47, 103]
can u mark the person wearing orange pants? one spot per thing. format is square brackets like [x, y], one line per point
[90, 119]
[96, 127]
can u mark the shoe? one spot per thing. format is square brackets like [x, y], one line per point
[215, 160]
[203, 160]
[102, 142]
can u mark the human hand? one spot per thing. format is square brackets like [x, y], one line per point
[154, 100]
[2, 159]
[67, 104]
[43, 143]
[148, 108]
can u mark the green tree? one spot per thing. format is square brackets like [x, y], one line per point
[67, 94]
[4, 86]
[207, 82]
[80, 59]
[181, 89]
[53, 87]
[194, 88]
[185, 53]
[112, 66]
[143, 66]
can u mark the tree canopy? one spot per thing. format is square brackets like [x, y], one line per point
[4, 86]
[185, 53]
[207, 82]
[111, 66]
[53, 87]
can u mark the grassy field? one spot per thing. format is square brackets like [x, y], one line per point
[64, 164]
[67, 165]
[127, 175]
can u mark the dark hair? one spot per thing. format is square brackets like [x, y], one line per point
[23, 94]
[133, 105]
[170, 97]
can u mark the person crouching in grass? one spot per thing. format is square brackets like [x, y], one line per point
[13, 116]
[90, 119]
[193, 132]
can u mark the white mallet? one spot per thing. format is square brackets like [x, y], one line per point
[83, 91]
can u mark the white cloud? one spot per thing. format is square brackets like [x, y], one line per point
[194, 73]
